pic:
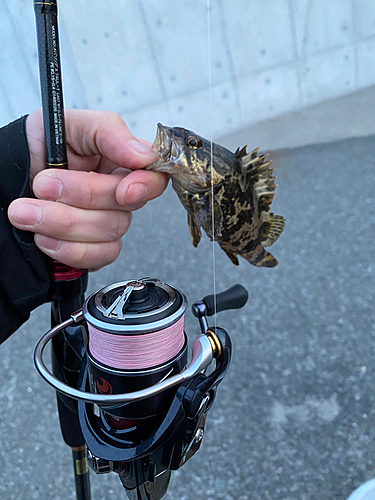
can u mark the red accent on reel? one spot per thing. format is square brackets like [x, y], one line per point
[62, 272]
[103, 386]
[120, 423]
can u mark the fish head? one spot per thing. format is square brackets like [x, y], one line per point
[187, 158]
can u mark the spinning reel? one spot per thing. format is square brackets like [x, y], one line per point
[141, 407]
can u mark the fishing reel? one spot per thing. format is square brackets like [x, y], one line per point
[142, 408]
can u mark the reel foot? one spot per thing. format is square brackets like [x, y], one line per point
[151, 490]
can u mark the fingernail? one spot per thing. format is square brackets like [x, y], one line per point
[139, 147]
[25, 213]
[48, 187]
[136, 192]
[47, 242]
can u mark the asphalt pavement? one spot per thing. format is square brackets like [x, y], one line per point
[294, 418]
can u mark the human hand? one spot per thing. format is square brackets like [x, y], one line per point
[81, 214]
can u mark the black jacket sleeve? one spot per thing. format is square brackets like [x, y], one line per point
[24, 279]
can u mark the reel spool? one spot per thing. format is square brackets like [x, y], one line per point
[142, 411]
[135, 340]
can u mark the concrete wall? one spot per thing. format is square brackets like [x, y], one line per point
[149, 61]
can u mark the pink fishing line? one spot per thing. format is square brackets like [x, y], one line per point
[136, 352]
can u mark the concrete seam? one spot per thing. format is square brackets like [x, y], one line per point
[295, 51]
[22, 52]
[154, 57]
[230, 60]
[354, 38]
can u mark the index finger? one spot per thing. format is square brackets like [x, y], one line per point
[106, 134]
[91, 136]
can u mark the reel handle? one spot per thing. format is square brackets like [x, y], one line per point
[234, 297]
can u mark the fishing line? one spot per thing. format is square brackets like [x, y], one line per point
[208, 8]
[136, 352]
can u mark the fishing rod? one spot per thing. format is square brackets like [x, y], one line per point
[68, 283]
[128, 400]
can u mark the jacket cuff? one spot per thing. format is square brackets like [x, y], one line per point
[14, 152]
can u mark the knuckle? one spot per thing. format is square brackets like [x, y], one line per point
[68, 223]
[111, 116]
[88, 193]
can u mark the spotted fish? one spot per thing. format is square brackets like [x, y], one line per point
[237, 215]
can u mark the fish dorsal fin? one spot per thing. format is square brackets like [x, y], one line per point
[240, 153]
[273, 228]
[256, 169]
[248, 161]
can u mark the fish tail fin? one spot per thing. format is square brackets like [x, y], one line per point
[260, 259]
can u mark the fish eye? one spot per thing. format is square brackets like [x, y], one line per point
[194, 143]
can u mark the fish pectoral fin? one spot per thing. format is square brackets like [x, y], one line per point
[232, 257]
[272, 229]
[218, 220]
[212, 226]
[195, 230]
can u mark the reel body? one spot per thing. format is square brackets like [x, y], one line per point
[146, 451]
[141, 410]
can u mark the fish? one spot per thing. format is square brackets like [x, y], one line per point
[226, 194]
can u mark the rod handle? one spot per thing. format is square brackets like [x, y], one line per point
[52, 105]
[51, 83]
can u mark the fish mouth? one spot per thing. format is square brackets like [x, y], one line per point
[164, 144]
